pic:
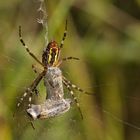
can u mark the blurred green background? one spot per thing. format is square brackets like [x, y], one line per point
[105, 35]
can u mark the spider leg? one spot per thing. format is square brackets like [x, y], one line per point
[64, 36]
[32, 125]
[30, 99]
[28, 92]
[70, 58]
[32, 88]
[76, 87]
[23, 96]
[26, 47]
[37, 80]
[74, 98]
[66, 59]
[36, 69]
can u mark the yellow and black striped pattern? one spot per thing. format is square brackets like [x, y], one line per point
[51, 54]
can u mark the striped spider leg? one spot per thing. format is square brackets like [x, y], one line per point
[32, 88]
[71, 86]
[29, 91]
[27, 49]
[66, 59]
[75, 87]
[64, 36]
[36, 71]
[73, 96]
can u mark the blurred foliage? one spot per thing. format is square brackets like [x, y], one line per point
[105, 36]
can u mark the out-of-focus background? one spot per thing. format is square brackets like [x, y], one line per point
[105, 35]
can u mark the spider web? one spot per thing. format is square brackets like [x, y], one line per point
[14, 80]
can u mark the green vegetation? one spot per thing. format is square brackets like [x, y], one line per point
[105, 35]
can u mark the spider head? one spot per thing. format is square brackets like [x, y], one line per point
[51, 54]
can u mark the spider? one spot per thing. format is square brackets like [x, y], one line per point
[50, 58]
